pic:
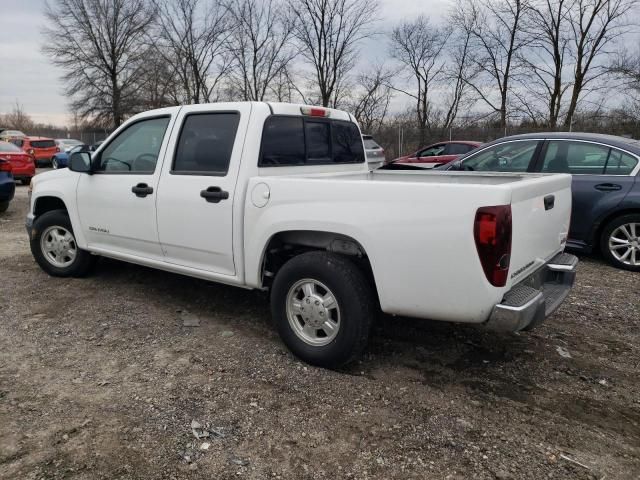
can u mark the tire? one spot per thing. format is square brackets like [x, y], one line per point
[4, 206]
[48, 228]
[619, 230]
[54, 163]
[25, 181]
[354, 311]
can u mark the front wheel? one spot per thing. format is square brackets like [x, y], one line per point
[54, 246]
[620, 242]
[54, 162]
[323, 306]
[4, 206]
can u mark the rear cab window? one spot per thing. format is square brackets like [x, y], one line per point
[296, 140]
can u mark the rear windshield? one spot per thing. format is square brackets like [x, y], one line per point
[8, 147]
[43, 143]
[369, 144]
[288, 140]
[17, 141]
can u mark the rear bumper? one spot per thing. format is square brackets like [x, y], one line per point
[24, 172]
[529, 302]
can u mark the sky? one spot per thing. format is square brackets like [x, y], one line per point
[27, 76]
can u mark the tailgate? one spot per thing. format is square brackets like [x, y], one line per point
[541, 210]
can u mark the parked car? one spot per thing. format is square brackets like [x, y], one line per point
[41, 149]
[606, 185]
[66, 144]
[438, 153]
[7, 135]
[60, 159]
[373, 152]
[291, 206]
[23, 168]
[7, 184]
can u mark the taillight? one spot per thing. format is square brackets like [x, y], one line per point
[31, 151]
[315, 111]
[492, 233]
[57, 149]
[5, 166]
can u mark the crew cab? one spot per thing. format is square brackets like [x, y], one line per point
[279, 197]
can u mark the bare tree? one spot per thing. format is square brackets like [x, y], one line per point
[497, 32]
[373, 93]
[18, 119]
[259, 45]
[328, 33]
[192, 38]
[460, 71]
[99, 45]
[546, 59]
[594, 25]
[419, 46]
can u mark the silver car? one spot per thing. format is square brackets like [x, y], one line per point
[373, 151]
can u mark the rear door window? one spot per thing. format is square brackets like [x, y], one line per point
[206, 143]
[564, 156]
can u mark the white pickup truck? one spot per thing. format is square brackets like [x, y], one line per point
[278, 196]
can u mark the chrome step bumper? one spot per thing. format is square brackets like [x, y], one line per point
[529, 302]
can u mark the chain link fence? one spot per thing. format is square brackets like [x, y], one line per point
[85, 136]
[398, 140]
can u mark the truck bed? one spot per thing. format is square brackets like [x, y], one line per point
[417, 230]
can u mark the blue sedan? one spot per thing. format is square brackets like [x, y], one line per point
[61, 159]
[7, 185]
[606, 184]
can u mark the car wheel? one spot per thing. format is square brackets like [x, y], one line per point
[54, 246]
[4, 206]
[620, 242]
[323, 306]
[25, 181]
[54, 162]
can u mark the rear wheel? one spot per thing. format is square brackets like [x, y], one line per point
[620, 242]
[25, 181]
[4, 206]
[54, 162]
[323, 306]
[54, 246]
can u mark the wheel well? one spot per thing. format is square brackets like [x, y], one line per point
[285, 245]
[605, 221]
[47, 204]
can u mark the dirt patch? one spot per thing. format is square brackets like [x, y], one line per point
[100, 379]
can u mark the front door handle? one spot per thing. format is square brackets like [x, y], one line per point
[214, 194]
[142, 190]
[608, 187]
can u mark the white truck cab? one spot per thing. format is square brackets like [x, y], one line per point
[279, 196]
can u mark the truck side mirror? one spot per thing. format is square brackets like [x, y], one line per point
[80, 162]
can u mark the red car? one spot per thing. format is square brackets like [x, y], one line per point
[438, 153]
[41, 149]
[22, 164]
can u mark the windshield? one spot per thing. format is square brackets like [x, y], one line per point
[9, 147]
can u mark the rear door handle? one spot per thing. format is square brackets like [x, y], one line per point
[608, 187]
[214, 194]
[549, 202]
[142, 190]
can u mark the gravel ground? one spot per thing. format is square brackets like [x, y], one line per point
[99, 378]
